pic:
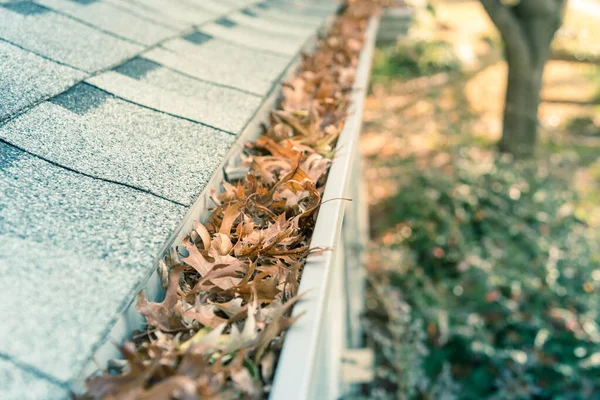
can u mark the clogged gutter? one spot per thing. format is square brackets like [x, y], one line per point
[232, 282]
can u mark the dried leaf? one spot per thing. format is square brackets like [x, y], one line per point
[229, 216]
[232, 282]
[162, 315]
[127, 386]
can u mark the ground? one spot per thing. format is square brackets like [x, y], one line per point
[416, 116]
[414, 122]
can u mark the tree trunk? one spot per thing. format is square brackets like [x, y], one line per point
[520, 122]
[527, 28]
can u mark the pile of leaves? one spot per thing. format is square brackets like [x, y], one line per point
[231, 284]
[490, 287]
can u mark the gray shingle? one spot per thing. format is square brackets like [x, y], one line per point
[250, 19]
[26, 79]
[222, 63]
[17, 384]
[304, 7]
[147, 83]
[25, 8]
[98, 240]
[197, 37]
[218, 7]
[182, 13]
[112, 19]
[42, 31]
[253, 38]
[137, 68]
[285, 16]
[93, 132]
[148, 13]
[238, 3]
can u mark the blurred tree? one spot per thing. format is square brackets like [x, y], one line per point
[527, 28]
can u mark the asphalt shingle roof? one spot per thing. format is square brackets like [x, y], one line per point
[71, 249]
[148, 13]
[113, 19]
[182, 13]
[23, 87]
[229, 30]
[45, 32]
[251, 19]
[286, 14]
[114, 115]
[14, 379]
[145, 82]
[221, 62]
[93, 132]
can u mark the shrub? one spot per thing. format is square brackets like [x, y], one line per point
[585, 126]
[414, 57]
[500, 275]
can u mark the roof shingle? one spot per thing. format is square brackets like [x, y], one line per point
[221, 63]
[110, 18]
[23, 87]
[14, 379]
[93, 132]
[59, 38]
[76, 247]
[147, 83]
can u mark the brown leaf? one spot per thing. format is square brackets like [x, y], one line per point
[295, 97]
[195, 259]
[127, 386]
[224, 275]
[178, 387]
[204, 313]
[231, 307]
[162, 315]
[263, 285]
[203, 233]
[229, 216]
[277, 324]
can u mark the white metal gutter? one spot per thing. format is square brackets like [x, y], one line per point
[296, 375]
[129, 318]
[302, 362]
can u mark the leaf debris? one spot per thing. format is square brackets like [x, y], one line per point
[231, 283]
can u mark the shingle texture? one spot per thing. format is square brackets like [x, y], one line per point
[114, 115]
[62, 237]
[146, 82]
[251, 19]
[180, 13]
[221, 62]
[96, 133]
[15, 379]
[60, 38]
[228, 30]
[113, 19]
[23, 87]
[288, 13]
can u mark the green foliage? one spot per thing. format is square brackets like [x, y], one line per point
[501, 276]
[414, 57]
[585, 126]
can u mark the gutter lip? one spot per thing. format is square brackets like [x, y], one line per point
[127, 318]
[296, 367]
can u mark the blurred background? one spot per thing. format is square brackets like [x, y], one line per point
[484, 274]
